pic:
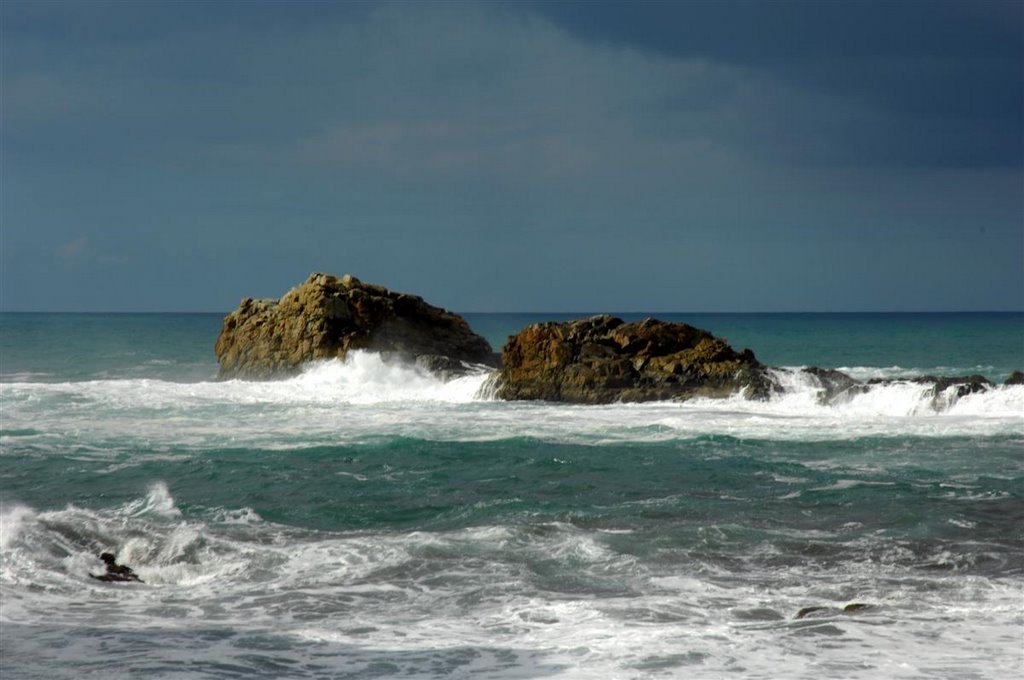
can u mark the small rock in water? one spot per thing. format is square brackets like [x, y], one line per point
[810, 610]
[115, 572]
[848, 609]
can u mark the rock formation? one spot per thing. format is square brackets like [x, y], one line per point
[327, 316]
[604, 359]
[591, 361]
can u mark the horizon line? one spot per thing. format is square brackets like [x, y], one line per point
[571, 313]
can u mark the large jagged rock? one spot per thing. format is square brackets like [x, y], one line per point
[327, 316]
[604, 359]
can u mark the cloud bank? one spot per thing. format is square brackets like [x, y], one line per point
[546, 156]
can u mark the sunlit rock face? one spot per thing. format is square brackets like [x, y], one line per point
[326, 316]
[603, 359]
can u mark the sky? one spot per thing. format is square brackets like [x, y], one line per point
[514, 156]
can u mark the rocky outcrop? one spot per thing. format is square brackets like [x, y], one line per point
[327, 316]
[1016, 378]
[604, 359]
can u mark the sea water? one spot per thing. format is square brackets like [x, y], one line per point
[366, 520]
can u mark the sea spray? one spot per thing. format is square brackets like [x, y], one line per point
[367, 378]
[138, 421]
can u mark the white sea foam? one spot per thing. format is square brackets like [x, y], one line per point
[564, 597]
[364, 378]
[361, 378]
[157, 501]
[12, 522]
[56, 550]
[365, 397]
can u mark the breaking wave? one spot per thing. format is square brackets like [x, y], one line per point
[365, 398]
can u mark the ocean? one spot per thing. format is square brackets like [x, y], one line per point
[365, 520]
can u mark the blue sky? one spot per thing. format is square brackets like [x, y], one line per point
[515, 156]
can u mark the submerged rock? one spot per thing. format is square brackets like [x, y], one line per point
[834, 384]
[966, 384]
[604, 359]
[810, 610]
[327, 316]
[946, 390]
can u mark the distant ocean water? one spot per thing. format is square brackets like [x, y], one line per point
[364, 520]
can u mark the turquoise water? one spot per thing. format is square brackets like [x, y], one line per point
[365, 520]
[179, 346]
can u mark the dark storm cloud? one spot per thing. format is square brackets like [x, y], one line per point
[512, 157]
[943, 80]
[786, 31]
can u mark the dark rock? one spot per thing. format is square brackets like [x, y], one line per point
[966, 384]
[327, 316]
[446, 367]
[1016, 378]
[856, 607]
[961, 386]
[603, 359]
[851, 608]
[833, 383]
[810, 610]
[115, 573]
[940, 392]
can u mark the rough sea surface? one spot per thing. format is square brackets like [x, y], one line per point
[364, 520]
